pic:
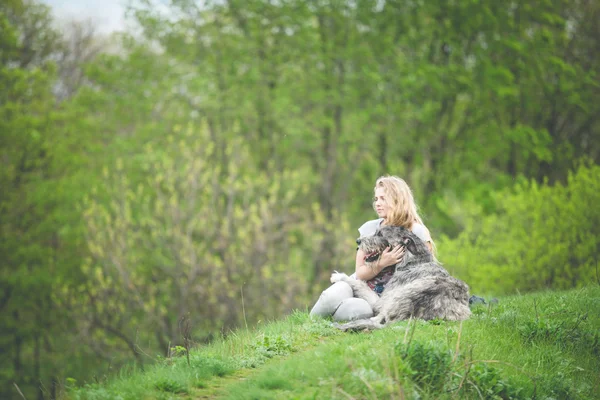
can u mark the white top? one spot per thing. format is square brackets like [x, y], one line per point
[370, 227]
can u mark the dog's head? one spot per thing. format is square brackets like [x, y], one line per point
[393, 236]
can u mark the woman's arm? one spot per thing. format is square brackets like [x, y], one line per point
[388, 257]
[363, 272]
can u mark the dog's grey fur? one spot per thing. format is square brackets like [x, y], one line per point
[420, 287]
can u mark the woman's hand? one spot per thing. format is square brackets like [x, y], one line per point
[391, 256]
[388, 257]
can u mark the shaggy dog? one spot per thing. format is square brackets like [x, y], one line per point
[420, 287]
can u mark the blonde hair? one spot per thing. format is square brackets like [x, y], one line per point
[399, 197]
[402, 207]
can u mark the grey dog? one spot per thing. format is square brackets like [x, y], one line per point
[420, 287]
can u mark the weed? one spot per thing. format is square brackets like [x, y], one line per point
[436, 321]
[508, 318]
[558, 387]
[177, 351]
[489, 383]
[170, 386]
[428, 365]
[213, 366]
[479, 309]
[252, 361]
[272, 346]
[431, 367]
[267, 347]
[200, 384]
[375, 380]
[563, 333]
[273, 383]
[320, 327]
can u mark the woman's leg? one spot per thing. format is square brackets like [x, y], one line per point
[331, 298]
[351, 309]
[337, 301]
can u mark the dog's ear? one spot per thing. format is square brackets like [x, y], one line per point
[410, 244]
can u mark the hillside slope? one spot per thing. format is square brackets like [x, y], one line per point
[542, 345]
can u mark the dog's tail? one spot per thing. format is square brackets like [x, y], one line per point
[359, 325]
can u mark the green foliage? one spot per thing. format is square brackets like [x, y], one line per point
[541, 236]
[265, 348]
[565, 333]
[272, 346]
[155, 238]
[320, 327]
[557, 387]
[429, 365]
[212, 366]
[36, 254]
[167, 385]
[486, 381]
[178, 351]
[438, 370]
[274, 383]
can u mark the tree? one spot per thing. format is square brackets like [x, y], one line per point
[188, 241]
[27, 243]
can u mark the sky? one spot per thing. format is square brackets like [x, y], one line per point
[108, 15]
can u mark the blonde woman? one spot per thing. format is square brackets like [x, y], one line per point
[395, 205]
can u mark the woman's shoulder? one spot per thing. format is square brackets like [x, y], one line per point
[421, 231]
[370, 227]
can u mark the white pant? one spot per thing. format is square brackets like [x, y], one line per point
[337, 301]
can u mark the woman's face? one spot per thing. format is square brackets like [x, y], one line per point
[381, 206]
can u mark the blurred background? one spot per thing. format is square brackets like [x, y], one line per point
[209, 162]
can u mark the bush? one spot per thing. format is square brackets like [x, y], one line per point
[542, 236]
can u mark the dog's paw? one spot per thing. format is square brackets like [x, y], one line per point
[338, 277]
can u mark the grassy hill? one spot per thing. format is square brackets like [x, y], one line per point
[541, 345]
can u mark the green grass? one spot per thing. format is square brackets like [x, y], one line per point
[540, 345]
